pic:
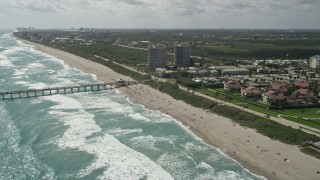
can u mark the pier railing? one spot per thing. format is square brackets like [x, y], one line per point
[63, 90]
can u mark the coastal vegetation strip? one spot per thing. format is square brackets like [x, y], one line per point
[305, 116]
[311, 151]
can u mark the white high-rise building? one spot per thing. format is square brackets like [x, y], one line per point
[156, 56]
[314, 62]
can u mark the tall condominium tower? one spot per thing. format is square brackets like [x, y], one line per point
[156, 56]
[314, 62]
[182, 54]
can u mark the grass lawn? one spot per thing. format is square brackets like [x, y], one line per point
[306, 113]
[226, 49]
[312, 123]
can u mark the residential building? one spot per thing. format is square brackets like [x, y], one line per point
[302, 84]
[314, 62]
[182, 55]
[279, 87]
[232, 86]
[249, 67]
[235, 72]
[302, 96]
[192, 73]
[156, 56]
[274, 98]
[250, 92]
[214, 73]
[220, 68]
[203, 73]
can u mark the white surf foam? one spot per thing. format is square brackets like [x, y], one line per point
[176, 166]
[138, 116]
[35, 66]
[5, 62]
[120, 161]
[144, 141]
[121, 132]
[102, 101]
[20, 72]
[21, 82]
[13, 50]
[38, 85]
[209, 172]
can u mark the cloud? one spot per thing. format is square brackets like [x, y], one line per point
[134, 2]
[303, 2]
[215, 13]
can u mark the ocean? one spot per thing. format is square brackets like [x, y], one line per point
[92, 135]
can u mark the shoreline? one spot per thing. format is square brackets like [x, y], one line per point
[255, 152]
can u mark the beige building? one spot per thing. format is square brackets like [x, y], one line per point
[156, 56]
[250, 92]
[235, 72]
[232, 86]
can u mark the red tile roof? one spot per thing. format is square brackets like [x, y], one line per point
[304, 92]
[302, 84]
[274, 95]
[251, 90]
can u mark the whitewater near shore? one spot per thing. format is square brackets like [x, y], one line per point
[259, 154]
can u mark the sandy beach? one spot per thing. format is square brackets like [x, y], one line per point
[259, 154]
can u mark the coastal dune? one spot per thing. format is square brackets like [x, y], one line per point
[260, 154]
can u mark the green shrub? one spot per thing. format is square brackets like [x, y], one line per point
[188, 82]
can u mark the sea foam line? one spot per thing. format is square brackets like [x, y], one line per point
[120, 161]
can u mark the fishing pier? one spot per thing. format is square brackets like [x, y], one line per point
[10, 95]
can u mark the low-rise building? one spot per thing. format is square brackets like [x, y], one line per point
[250, 92]
[232, 86]
[161, 71]
[274, 98]
[203, 73]
[235, 72]
[214, 73]
[192, 73]
[249, 67]
[302, 96]
[220, 68]
[279, 87]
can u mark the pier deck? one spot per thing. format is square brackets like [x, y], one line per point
[63, 90]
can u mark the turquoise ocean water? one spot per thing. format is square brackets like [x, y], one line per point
[100, 135]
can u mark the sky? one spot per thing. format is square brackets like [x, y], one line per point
[167, 14]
